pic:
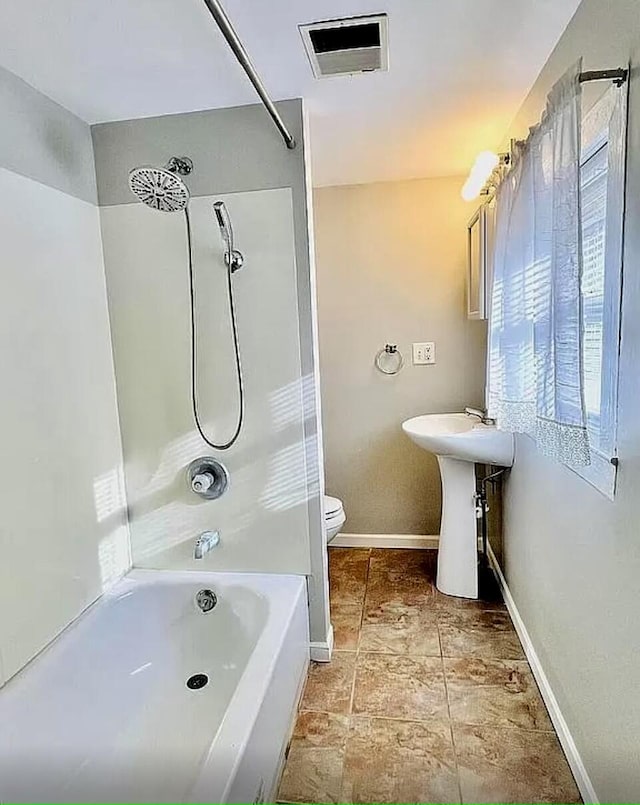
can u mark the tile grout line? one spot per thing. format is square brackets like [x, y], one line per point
[344, 758]
[353, 682]
[446, 693]
[364, 601]
[430, 720]
[357, 651]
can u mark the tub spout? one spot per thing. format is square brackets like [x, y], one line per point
[205, 543]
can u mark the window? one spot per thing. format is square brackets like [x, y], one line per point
[554, 329]
[602, 208]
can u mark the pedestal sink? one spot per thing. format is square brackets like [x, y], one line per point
[459, 441]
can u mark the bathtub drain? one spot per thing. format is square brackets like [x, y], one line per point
[197, 681]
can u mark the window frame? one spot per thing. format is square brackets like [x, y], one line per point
[596, 133]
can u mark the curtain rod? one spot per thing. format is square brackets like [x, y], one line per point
[618, 75]
[233, 40]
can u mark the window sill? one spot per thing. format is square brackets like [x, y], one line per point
[601, 474]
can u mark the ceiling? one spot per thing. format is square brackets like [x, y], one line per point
[459, 70]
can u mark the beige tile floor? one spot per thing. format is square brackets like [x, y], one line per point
[427, 699]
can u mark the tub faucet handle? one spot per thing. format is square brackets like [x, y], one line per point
[206, 542]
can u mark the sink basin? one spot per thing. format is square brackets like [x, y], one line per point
[459, 441]
[462, 437]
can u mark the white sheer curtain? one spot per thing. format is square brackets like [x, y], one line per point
[535, 335]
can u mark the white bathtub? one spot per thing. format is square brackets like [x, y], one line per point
[104, 713]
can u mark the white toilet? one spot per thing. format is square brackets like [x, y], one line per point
[334, 516]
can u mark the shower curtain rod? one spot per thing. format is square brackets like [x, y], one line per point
[233, 40]
[618, 76]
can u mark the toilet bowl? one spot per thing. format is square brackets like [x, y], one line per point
[334, 517]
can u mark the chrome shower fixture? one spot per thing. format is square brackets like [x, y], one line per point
[232, 257]
[180, 165]
[162, 188]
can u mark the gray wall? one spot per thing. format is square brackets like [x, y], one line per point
[235, 151]
[43, 141]
[63, 534]
[572, 557]
[391, 268]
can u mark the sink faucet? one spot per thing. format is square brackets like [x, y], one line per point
[482, 415]
[206, 542]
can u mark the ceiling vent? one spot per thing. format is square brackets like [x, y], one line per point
[348, 46]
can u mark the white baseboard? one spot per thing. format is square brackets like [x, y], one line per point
[384, 541]
[561, 727]
[321, 650]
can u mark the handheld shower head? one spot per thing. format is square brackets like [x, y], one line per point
[233, 258]
[224, 222]
[162, 188]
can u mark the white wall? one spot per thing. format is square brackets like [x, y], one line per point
[572, 557]
[263, 516]
[63, 536]
[391, 268]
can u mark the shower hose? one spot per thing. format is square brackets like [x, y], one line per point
[194, 361]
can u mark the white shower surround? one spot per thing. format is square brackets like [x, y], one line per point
[104, 714]
[64, 534]
[263, 517]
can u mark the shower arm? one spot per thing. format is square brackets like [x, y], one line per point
[233, 40]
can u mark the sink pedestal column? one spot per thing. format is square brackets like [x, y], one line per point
[458, 549]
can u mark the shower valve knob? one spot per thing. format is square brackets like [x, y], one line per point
[202, 482]
[208, 477]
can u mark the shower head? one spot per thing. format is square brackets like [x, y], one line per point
[162, 188]
[224, 222]
[232, 256]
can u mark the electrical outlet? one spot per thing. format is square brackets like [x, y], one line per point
[424, 353]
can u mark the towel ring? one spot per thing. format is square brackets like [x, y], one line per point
[389, 360]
